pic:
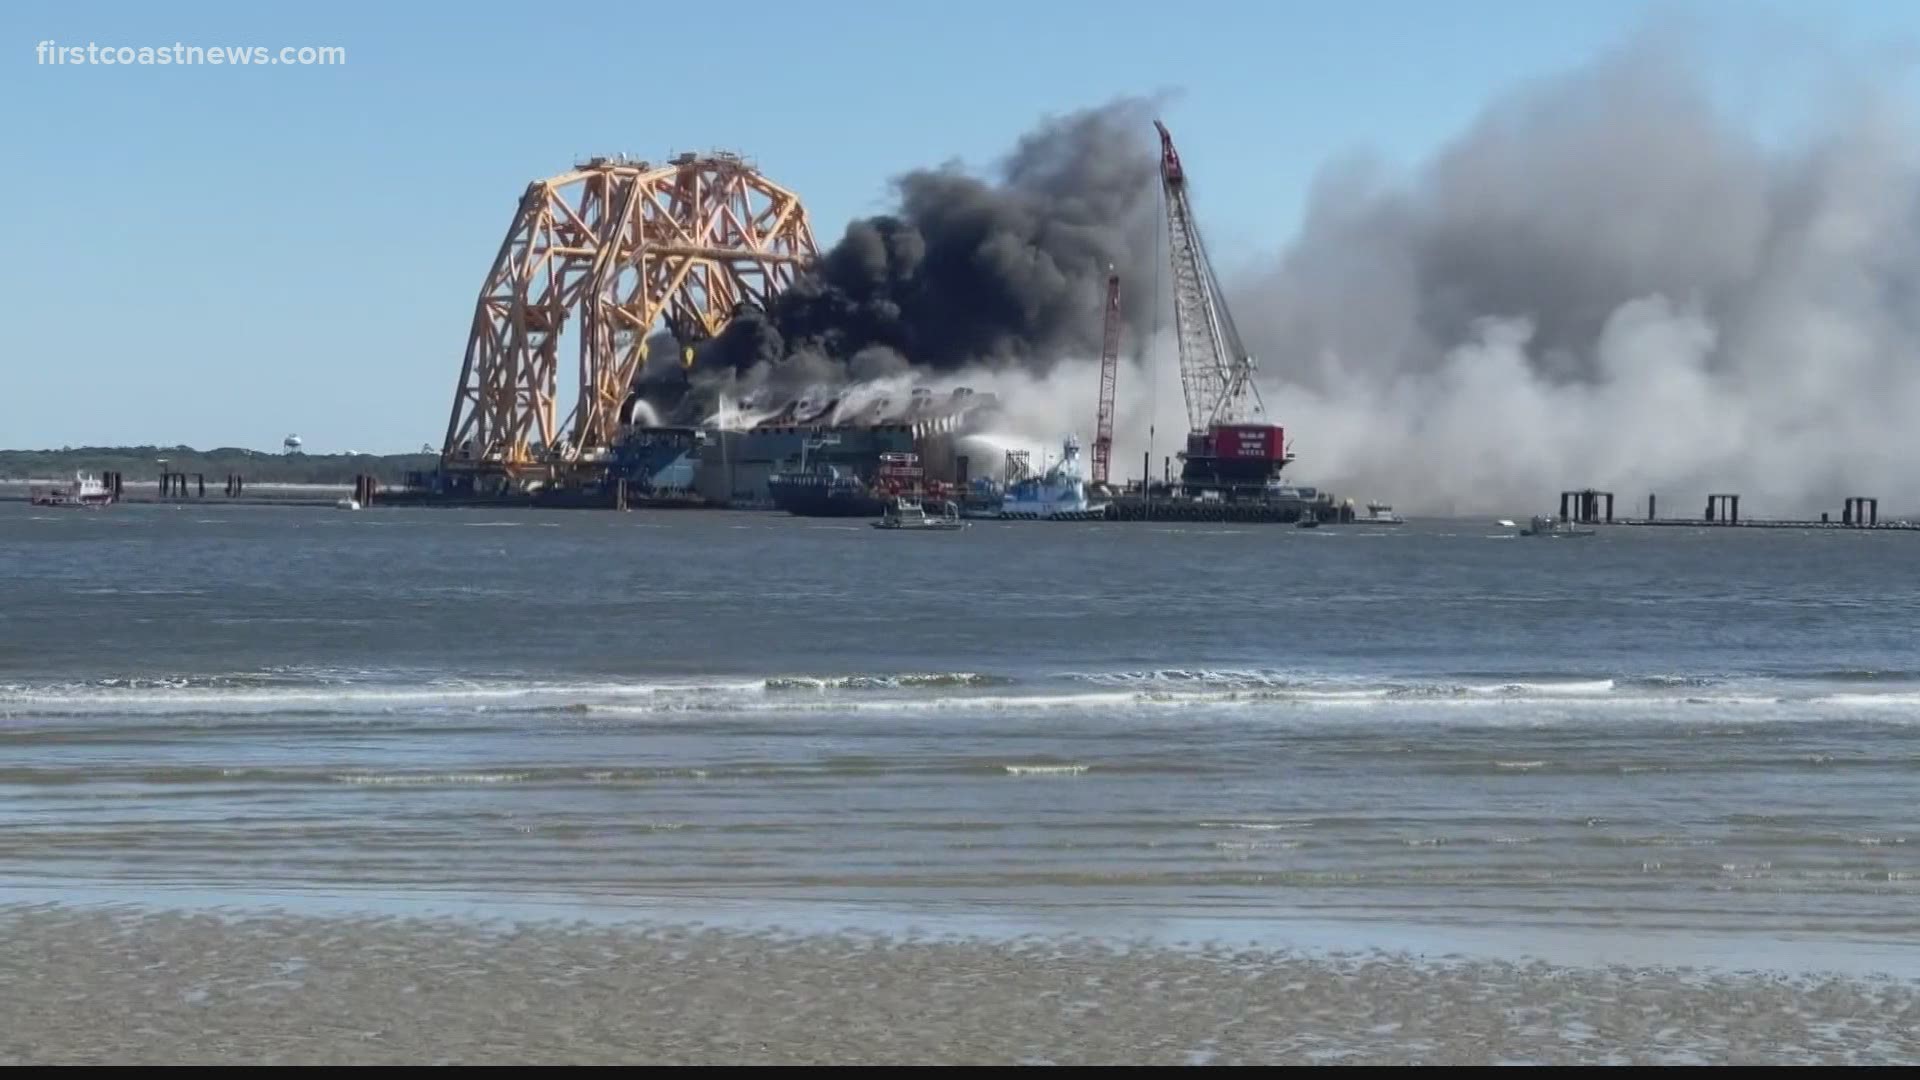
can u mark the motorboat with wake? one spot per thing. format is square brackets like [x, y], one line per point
[1548, 525]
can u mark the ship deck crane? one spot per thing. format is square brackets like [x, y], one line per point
[1109, 372]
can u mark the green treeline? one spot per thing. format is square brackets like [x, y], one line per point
[142, 463]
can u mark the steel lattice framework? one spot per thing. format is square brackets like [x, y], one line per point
[1109, 369]
[618, 247]
[1215, 371]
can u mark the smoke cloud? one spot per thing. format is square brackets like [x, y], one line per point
[997, 274]
[1605, 281]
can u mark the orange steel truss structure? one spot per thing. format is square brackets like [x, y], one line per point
[619, 247]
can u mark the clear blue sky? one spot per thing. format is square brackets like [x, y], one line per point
[220, 256]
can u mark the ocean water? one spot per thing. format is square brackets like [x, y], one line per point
[1665, 735]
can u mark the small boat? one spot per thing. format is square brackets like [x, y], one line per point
[905, 512]
[1308, 522]
[1379, 513]
[1548, 525]
[85, 491]
[347, 504]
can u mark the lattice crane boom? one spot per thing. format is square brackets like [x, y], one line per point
[1109, 372]
[1216, 374]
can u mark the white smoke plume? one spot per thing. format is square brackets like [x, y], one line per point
[1605, 281]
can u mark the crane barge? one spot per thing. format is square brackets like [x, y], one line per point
[1233, 451]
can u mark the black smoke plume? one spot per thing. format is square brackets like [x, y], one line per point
[1004, 272]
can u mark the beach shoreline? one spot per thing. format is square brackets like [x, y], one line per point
[96, 985]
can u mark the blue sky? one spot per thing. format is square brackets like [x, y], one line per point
[220, 256]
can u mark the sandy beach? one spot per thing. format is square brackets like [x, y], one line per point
[84, 986]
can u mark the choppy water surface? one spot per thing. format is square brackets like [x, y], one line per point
[1665, 730]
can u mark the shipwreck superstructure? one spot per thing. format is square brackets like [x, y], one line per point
[829, 454]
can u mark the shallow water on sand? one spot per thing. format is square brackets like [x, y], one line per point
[1666, 730]
[395, 746]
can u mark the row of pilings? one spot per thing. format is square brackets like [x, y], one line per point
[179, 485]
[1588, 506]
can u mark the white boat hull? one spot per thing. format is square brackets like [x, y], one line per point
[85, 492]
[1552, 528]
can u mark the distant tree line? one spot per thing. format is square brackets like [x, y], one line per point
[142, 463]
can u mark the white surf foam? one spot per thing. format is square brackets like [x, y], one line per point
[1528, 700]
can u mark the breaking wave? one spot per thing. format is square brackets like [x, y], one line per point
[934, 681]
[395, 696]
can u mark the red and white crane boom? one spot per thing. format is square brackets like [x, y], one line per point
[1216, 374]
[1109, 371]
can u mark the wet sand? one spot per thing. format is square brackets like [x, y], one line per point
[99, 986]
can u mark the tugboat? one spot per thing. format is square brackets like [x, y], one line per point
[85, 492]
[823, 489]
[905, 512]
[1059, 494]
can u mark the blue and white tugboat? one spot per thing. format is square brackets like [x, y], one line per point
[1058, 494]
